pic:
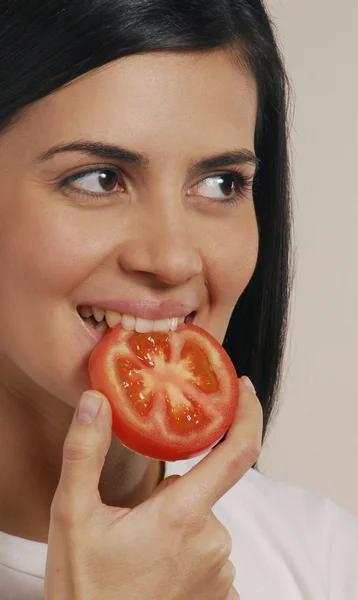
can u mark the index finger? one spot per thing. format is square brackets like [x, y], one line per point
[224, 466]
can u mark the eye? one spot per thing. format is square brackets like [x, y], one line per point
[224, 186]
[97, 182]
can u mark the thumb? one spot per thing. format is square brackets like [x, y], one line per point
[85, 449]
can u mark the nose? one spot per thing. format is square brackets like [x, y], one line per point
[162, 244]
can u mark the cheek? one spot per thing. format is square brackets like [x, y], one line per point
[45, 253]
[233, 257]
[46, 250]
[230, 263]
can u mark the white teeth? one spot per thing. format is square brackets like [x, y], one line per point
[98, 313]
[128, 322]
[161, 325]
[143, 325]
[173, 323]
[85, 311]
[113, 318]
[102, 327]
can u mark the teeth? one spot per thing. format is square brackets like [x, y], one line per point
[173, 323]
[102, 327]
[161, 325]
[98, 313]
[113, 318]
[128, 322]
[85, 311]
[88, 320]
[143, 325]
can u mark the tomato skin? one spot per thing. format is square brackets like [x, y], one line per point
[217, 390]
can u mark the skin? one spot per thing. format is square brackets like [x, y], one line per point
[58, 248]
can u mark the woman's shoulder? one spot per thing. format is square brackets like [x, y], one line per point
[303, 535]
[258, 490]
[288, 541]
[301, 508]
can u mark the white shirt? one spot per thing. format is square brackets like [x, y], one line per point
[288, 544]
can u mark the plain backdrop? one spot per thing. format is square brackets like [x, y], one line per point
[314, 441]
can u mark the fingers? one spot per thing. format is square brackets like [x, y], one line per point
[84, 451]
[233, 595]
[164, 484]
[228, 572]
[218, 472]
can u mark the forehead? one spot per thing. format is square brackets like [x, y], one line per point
[181, 100]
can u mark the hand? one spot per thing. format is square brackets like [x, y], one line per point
[171, 545]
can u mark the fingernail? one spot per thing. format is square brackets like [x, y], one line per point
[248, 383]
[88, 407]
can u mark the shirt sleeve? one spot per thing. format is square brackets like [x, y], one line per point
[342, 553]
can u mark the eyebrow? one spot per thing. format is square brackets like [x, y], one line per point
[111, 151]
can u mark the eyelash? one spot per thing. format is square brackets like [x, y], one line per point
[244, 182]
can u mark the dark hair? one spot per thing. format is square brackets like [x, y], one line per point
[46, 44]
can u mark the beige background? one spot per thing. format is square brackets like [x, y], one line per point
[314, 440]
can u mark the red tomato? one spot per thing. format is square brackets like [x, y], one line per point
[173, 395]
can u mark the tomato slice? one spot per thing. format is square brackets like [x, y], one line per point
[173, 395]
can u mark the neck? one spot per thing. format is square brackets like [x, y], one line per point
[33, 428]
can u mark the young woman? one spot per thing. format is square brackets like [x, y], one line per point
[144, 171]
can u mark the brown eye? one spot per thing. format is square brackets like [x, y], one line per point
[108, 180]
[97, 182]
[221, 186]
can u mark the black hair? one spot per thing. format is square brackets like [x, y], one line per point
[45, 44]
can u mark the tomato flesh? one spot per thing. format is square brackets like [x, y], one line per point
[173, 394]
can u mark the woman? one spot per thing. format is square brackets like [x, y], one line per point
[144, 172]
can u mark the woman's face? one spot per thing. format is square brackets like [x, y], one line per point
[153, 237]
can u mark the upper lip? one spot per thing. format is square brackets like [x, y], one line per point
[147, 309]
